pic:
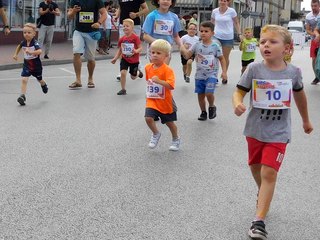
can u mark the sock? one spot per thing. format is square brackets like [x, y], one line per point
[257, 218]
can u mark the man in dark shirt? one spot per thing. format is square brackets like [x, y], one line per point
[6, 28]
[48, 11]
[89, 15]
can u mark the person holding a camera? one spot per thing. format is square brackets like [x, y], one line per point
[88, 15]
[48, 10]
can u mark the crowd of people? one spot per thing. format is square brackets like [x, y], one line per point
[271, 83]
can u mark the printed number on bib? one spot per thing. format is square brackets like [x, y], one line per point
[272, 94]
[206, 61]
[86, 17]
[155, 90]
[163, 27]
[28, 56]
[127, 49]
[251, 47]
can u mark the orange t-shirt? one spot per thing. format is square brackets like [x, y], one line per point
[165, 73]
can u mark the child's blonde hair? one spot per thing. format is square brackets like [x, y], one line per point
[283, 32]
[31, 25]
[161, 45]
[129, 21]
[247, 29]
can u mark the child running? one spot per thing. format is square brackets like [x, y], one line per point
[248, 47]
[188, 41]
[162, 24]
[160, 82]
[32, 63]
[129, 48]
[268, 127]
[207, 53]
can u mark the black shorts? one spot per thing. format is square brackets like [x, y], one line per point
[246, 63]
[184, 61]
[124, 65]
[150, 112]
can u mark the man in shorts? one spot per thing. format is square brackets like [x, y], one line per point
[90, 14]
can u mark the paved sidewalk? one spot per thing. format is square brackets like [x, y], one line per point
[60, 53]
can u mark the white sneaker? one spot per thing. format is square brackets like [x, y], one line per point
[175, 145]
[154, 140]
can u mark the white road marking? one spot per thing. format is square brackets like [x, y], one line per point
[66, 70]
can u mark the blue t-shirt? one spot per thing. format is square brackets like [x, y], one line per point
[31, 62]
[162, 25]
[207, 59]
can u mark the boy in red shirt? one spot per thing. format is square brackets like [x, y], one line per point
[160, 82]
[129, 48]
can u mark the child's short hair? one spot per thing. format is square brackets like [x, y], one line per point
[189, 24]
[207, 24]
[247, 29]
[31, 25]
[283, 32]
[161, 45]
[156, 3]
[129, 21]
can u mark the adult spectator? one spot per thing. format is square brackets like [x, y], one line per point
[194, 19]
[183, 25]
[225, 19]
[6, 27]
[48, 11]
[133, 9]
[89, 14]
[311, 23]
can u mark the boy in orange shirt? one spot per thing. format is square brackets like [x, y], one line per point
[160, 81]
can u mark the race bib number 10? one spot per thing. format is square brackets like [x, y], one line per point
[155, 91]
[86, 17]
[271, 94]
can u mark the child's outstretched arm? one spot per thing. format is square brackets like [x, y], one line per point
[223, 67]
[16, 52]
[301, 102]
[35, 52]
[241, 45]
[237, 101]
[117, 56]
[177, 39]
[148, 38]
[185, 52]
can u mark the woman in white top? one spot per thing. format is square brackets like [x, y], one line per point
[225, 18]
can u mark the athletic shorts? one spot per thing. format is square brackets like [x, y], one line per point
[26, 73]
[314, 48]
[84, 44]
[184, 61]
[205, 86]
[246, 62]
[226, 43]
[165, 118]
[124, 65]
[269, 154]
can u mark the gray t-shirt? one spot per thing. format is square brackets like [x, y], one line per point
[207, 59]
[264, 124]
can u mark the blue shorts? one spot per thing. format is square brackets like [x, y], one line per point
[226, 43]
[84, 44]
[205, 85]
[37, 74]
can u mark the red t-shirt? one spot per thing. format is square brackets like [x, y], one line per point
[127, 44]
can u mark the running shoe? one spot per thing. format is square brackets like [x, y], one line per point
[44, 88]
[212, 112]
[258, 231]
[22, 99]
[122, 92]
[203, 116]
[315, 81]
[154, 140]
[187, 79]
[175, 145]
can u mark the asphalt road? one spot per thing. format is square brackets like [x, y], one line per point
[75, 164]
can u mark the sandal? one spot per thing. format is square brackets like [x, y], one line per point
[75, 85]
[91, 85]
